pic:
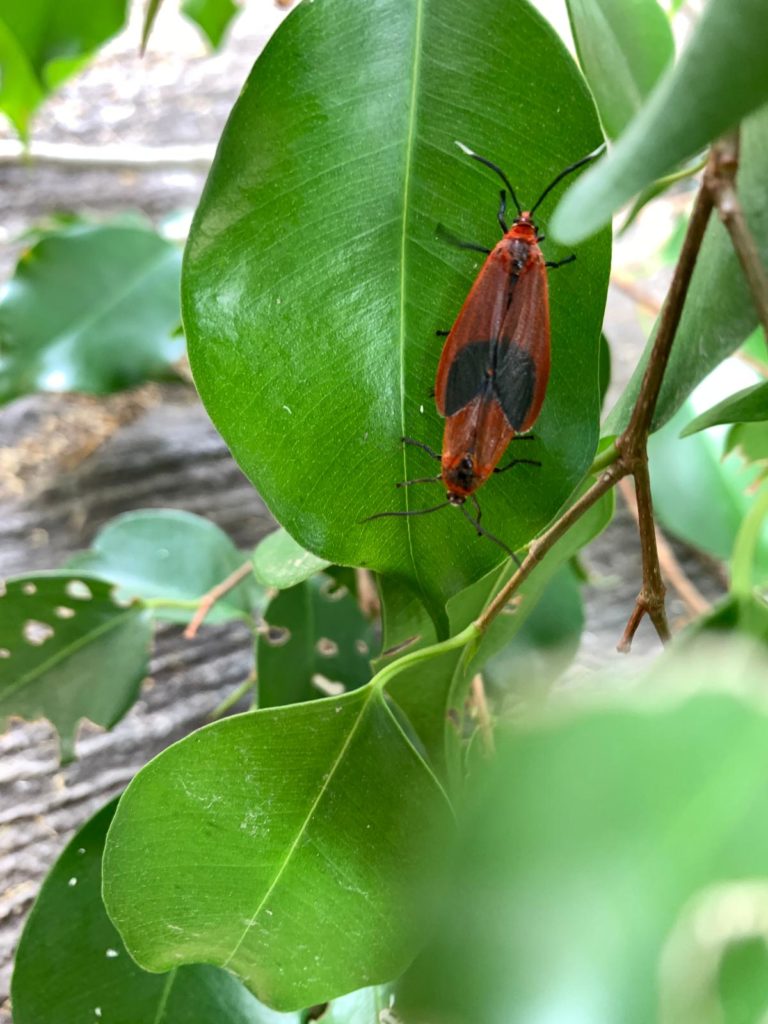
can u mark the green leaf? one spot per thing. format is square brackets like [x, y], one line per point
[69, 651]
[153, 9]
[720, 78]
[90, 309]
[606, 858]
[719, 313]
[543, 647]
[316, 642]
[623, 47]
[164, 554]
[72, 965]
[43, 42]
[211, 16]
[278, 561]
[314, 366]
[605, 367]
[748, 405]
[287, 844]
[753, 533]
[745, 614]
[695, 466]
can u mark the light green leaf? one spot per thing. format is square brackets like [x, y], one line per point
[288, 845]
[278, 561]
[623, 47]
[315, 642]
[720, 78]
[68, 651]
[165, 554]
[314, 367]
[72, 965]
[211, 16]
[748, 405]
[90, 309]
[43, 42]
[719, 313]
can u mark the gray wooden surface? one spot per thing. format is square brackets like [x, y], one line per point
[68, 464]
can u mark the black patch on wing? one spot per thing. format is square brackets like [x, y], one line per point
[514, 382]
[468, 376]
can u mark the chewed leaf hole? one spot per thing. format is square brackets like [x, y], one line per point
[333, 591]
[78, 590]
[329, 687]
[362, 647]
[3, 589]
[29, 589]
[277, 636]
[326, 648]
[62, 612]
[120, 599]
[36, 633]
[4, 652]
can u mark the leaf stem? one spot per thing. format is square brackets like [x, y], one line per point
[466, 636]
[209, 599]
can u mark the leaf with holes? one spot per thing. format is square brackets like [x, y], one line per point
[316, 642]
[289, 845]
[68, 651]
[165, 554]
[278, 561]
[313, 368]
[44, 43]
[90, 308]
[72, 965]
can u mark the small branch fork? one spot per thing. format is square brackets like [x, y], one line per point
[629, 456]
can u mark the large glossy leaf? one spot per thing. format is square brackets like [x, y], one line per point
[720, 78]
[43, 42]
[719, 313]
[71, 963]
[90, 309]
[316, 641]
[314, 280]
[68, 651]
[286, 845]
[166, 554]
[606, 860]
[623, 47]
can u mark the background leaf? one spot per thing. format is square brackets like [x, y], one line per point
[55, 38]
[719, 79]
[589, 843]
[278, 561]
[286, 844]
[90, 309]
[750, 405]
[719, 313]
[71, 963]
[623, 47]
[68, 651]
[313, 369]
[211, 16]
[165, 553]
[315, 636]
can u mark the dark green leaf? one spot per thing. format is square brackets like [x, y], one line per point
[153, 9]
[314, 280]
[212, 17]
[161, 554]
[286, 844]
[68, 651]
[698, 495]
[743, 981]
[43, 42]
[278, 561]
[748, 405]
[744, 614]
[719, 313]
[606, 858]
[750, 440]
[720, 78]
[623, 48]
[605, 367]
[71, 964]
[315, 642]
[90, 309]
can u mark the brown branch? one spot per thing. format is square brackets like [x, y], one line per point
[209, 599]
[631, 448]
[720, 180]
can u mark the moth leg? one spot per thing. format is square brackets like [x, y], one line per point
[517, 462]
[420, 480]
[554, 264]
[479, 511]
[442, 334]
[448, 236]
[424, 447]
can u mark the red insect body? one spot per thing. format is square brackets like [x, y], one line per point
[494, 368]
